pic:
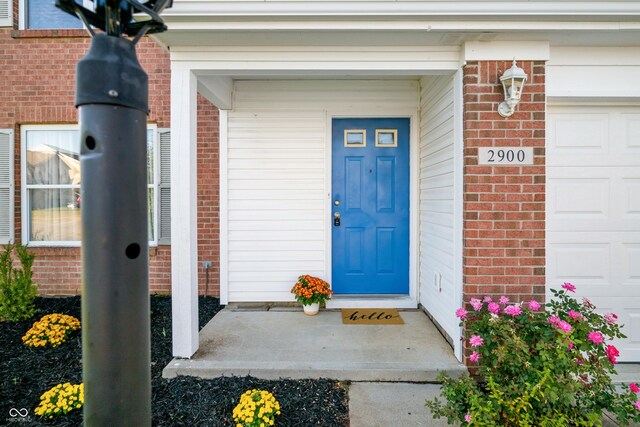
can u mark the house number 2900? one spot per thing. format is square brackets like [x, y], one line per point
[508, 155]
[505, 156]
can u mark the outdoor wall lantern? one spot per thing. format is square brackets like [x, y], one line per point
[512, 82]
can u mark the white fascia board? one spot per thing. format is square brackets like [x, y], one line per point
[180, 53]
[516, 9]
[236, 61]
[214, 23]
[501, 51]
[318, 68]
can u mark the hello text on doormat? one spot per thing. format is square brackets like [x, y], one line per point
[371, 316]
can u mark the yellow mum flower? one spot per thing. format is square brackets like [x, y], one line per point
[60, 399]
[52, 329]
[256, 408]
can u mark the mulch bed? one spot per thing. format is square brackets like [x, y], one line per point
[25, 373]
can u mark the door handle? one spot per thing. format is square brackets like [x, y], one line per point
[336, 219]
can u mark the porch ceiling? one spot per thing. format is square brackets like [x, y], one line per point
[217, 86]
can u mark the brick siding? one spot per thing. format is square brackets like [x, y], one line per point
[504, 206]
[208, 195]
[37, 71]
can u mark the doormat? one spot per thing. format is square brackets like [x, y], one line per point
[371, 316]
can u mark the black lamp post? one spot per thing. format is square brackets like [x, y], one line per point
[112, 101]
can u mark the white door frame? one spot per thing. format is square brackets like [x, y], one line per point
[360, 301]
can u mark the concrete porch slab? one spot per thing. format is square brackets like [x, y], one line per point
[287, 344]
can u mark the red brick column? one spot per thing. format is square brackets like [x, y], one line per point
[208, 195]
[504, 206]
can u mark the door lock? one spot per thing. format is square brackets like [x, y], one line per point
[336, 219]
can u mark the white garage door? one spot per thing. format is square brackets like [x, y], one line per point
[593, 210]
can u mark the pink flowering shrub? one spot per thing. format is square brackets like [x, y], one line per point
[537, 365]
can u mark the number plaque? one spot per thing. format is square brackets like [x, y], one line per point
[503, 156]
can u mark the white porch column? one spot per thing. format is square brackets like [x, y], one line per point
[184, 238]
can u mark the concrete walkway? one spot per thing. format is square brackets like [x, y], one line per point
[392, 404]
[287, 344]
[373, 404]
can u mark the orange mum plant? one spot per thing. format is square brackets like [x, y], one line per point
[309, 290]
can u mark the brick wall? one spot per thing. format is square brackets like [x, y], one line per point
[504, 206]
[208, 195]
[37, 71]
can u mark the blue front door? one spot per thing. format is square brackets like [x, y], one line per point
[370, 206]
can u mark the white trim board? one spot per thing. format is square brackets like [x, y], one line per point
[317, 60]
[506, 51]
[223, 118]
[393, 9]
[458, 203]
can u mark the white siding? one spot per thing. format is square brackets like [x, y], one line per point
[276, 179]
[438, 278]
[592, 72]
[352, 96]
